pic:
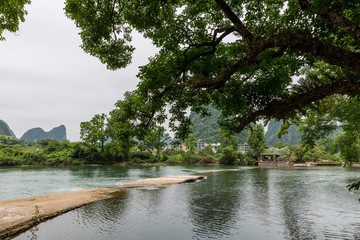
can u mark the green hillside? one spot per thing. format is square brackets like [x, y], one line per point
[35, 134]
[292, 137]
[208, 129]
[5, 129]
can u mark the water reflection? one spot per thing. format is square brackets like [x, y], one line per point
[102, 213]
[213, 204]
[33, 231]
[259, 190]
[294, 196]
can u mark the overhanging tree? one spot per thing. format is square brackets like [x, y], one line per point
[12, 12]
[240, 56]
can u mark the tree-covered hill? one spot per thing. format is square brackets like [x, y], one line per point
[208, 129]
[5, 129]
[292, 137]
[35, 134]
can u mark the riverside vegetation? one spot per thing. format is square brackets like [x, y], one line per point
[97, 148]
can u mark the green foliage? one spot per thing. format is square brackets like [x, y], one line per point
[206, 160]
[249, 161]
[248, 76]
[348, 144]
[109, 43]
[317, 152]
[175, 159]
[280, 145]
[12, 12]
[328, 117]
[124, 119]
[256, 140]
[190, 158]
[291, 136]
[93, 132]
[228, 140]
[299, 151]
[9, 141]
[314, 154]
[183, 158]
[53, 146]
[113, 152]
[191, 143]
[143, 157]
[33, 158]
[228, 156]
[37, 217]
[328, 144]
[59, 158]
[207, 127]
[156, 139]
[207, 151]
[8, 161]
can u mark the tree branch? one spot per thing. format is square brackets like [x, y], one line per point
[239, 25]
[300, 42]
[213, 44]
[336, 19]
[316, 48]
[280, 108]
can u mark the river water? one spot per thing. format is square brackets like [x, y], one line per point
[231, 203]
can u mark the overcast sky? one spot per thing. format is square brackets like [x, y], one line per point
[48, 80]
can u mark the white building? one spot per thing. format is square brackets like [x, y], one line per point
[243, 148]
[201, 144]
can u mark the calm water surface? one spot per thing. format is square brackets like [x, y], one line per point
[311, 203]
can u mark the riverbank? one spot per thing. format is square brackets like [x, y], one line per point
[19, 215]
[111, 164]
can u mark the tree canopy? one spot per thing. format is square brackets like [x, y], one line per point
[12, 12]
[93, 132]
[256, 140]
[239, 55]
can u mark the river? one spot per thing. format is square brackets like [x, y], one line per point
[231, 203]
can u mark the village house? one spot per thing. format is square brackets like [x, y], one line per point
[201, 144]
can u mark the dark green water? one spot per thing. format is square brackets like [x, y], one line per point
[311, 203]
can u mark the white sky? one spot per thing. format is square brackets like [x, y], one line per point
[47, 80]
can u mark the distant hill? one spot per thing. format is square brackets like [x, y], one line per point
[208, 128]
[5, 129]
[35, 134]
[291, 138]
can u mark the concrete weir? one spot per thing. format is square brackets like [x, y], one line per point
[19, 215]
[162, 181]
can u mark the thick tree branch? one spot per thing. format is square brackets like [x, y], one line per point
[299, 42]
[336, 19]
[239, 25]
[349, 27]
[279, 108]
[315, 48]
[215, 41]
